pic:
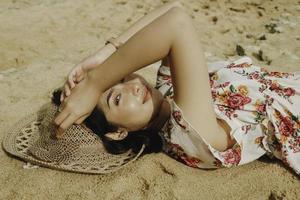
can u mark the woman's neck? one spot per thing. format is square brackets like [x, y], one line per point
[162, 116]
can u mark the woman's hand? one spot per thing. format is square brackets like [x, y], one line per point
[78, 106]
[77, 74]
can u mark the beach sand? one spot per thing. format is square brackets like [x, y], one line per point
[41, 40]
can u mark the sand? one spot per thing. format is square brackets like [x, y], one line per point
[41, 40]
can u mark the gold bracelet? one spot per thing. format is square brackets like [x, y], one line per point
[115, 43]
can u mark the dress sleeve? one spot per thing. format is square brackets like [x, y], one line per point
[184, 144]
[164, 81]
[215, 66]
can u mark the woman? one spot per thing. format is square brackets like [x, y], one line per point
[232, 115]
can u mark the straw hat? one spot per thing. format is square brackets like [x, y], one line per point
[33, 139]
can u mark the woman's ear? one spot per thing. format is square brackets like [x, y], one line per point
[120, 134]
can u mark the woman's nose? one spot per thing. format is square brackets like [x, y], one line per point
[135, 89]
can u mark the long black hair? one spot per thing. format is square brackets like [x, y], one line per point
[97, 122]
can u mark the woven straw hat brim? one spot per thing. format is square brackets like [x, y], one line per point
[32, 139]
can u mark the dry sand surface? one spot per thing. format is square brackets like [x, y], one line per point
[41, 40]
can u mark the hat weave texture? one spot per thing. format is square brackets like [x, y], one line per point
[79, 150]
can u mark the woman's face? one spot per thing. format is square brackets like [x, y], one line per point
[130, 104]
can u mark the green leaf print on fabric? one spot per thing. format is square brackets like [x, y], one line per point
[232, 88]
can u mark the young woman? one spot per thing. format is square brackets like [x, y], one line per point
[225, 115]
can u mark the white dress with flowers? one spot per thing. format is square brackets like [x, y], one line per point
[261, 107]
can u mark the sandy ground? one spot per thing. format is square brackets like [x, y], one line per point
[41, 40]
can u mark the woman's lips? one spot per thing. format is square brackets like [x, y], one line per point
[147, 94]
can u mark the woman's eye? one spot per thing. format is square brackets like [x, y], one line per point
[117, 99]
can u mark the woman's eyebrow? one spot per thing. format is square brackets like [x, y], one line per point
[108, 97]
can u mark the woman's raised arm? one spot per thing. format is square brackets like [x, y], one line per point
[78, 73]
[100, 56]
[171, 33]
[147, 46]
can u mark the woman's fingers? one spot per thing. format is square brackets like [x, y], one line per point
[75, 76]
[67, 122]
[79, 78]
[63, 120]
[79, 75]
[61, 117]
[77, 106]
[67, 90]
[71, 79]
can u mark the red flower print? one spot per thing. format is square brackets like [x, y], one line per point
[274, 86]
[225, 84]
[237, 101]
[269, 100]
[232, 156]
[242, 65]
[220, 107]
[217, 163]
[229, 112]
[214, 94]
[191, 161]
[266, 81]
[178, 118]
[222, 85]
[289, 91]
[177, 115]
[254, 75]
[211, 82]
[261, 108]
[262, 88]
[246, 128]
[275, 74]
[280, 74]
[286, 126]
[176, 149]
[294, 145]
[287, 75]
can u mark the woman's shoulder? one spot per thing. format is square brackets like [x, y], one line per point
[182, 142]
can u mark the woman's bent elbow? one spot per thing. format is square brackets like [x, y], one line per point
[178, 18]
[177, 4]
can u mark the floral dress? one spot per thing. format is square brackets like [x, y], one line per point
[261, 107]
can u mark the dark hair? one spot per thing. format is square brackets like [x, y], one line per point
[97, 122]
